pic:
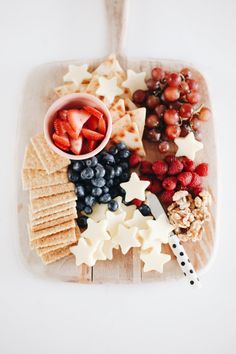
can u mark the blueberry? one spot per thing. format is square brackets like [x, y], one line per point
[125, 176]
[73, 176]
[91, 162]
[96, 191]
[88, 189]
[124, 154]
[80, 205]
[114, 192]
[108, 159]
[105, 189]
[89, 200]
[145, 210]
[79, 190]
[113, 150]
[109, 183]
[121, 146]
[118, 171]
[99, 171]
[124, 165]
[110, 172]
[98, 182]
[113, 205]
[77, 166]
[88, 210]
[87, 173]
[82, 221]
[105, 198]
[116, 181]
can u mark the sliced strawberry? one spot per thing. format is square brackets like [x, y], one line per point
[70, 131]
[91, 135]
[61, 139]
[62, 147]
[85, 146]
[59, 126]
[62, 114]
[92, 123]
[94, 111]
[91, 145]
[84, 116]
[102, 127]
[76, 145]
[74, 120]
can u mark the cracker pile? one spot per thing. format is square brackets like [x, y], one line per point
[52, 206]
[110, 83]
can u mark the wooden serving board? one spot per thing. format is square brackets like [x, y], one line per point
[37, 97]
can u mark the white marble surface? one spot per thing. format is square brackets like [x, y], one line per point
[38, 316]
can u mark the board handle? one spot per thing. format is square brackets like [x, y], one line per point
[117, 14]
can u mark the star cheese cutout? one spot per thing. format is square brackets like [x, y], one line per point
[134, 188]
[99, 212]
[126, 238]
[96, 231]
[108, 247]
[83, 252]
[108, 88]
[128, 209]
[113, 221]
[154, 260]
[138, 220]
[109, 66]
[160, 229]
[77, 74]
[188, 146]
[99, 255]
[135, 81]
[145, 237]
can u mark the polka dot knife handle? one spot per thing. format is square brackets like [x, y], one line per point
[184, 261]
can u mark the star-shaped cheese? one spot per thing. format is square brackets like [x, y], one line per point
[96, 231]
[138, 220]
[145, 237]
[127, 209]
[108, 88]
[134, 188]
[126, 238]
[160, 229]
[113, 221]
[109, 66]
[108, 247]
[99, 212]
[135, 81]
[83, 252]
[99, 255]
[77, 74]
[188, 146]
[154, 260]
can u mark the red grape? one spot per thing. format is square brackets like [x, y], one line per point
[187, 73]
[164, 146]
[152, 101]
[174, 80]
[171, 117]
[195, 123]
[151, 84]
[152, 121]
[185, 130]
[205, 114]
[193, 97]
[139, 96]
[193, 84]
[183, 88]
[172, 131]
[158, 74]
[160, 110]
[186, 111]
[153, 135]
[171, 94]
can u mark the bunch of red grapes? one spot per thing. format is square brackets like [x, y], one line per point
[173, 106]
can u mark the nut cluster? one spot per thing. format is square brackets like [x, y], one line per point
[188, 214]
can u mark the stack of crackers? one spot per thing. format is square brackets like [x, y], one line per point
[52, 206]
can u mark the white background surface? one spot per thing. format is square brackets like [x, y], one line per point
[50, 317]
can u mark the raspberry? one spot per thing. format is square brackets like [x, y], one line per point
[196, 180]
[175, 167]
[189, 165]
[202, 169]
[169, 183]
[169, 158]
[160, 177]
[137, 202]
[195, 191]
[185, 178]
[166, 197]
[146, 178]
[134, 160]
[146, 167]
[155, 186]
[160, 167]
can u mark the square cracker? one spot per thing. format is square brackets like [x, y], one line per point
[47, 218]
[138, 116]
[51, 190]
[51, 161]
[64, 236]
[51, 211]
[34, 235]
[54, 222]
[55, 255]
[37, 179]
[31, 160]
[53, 200]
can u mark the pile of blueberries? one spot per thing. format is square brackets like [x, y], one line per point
[97, 180]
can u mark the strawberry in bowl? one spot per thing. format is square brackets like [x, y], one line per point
[77, 126]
